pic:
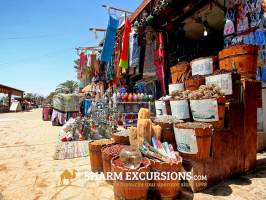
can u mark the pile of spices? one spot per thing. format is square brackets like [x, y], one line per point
[102, 142]
[168, 119]
[113, 150]
[206, 92]
[193, 125]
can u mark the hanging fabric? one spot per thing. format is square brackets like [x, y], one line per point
[159, 62]
[82, 64]
[125, 45]
[109, 41]
[149, 69]
[117, 54]
[134, 50]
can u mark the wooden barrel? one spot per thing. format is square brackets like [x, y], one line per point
[130, 189]
[167, 189]
[180, 72]
[203, 133]
[242, 57]
[95, 152]
[107, 155]
[120, 139]
[167, 134]
[221, 113]
[194, 84]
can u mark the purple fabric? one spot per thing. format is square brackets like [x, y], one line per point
[60, 116]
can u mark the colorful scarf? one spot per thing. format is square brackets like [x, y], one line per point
[109, 42]
[125, 46]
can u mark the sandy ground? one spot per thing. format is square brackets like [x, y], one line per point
[28, 171]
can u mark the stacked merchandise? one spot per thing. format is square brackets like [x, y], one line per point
[64, 107]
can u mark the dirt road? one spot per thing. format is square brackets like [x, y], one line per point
[28, 171]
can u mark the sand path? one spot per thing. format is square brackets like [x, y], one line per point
[28, 171]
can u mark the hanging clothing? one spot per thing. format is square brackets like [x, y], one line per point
[94, 64]
[86, 106]
[82, 63]
[109, 41]
[134, 50]
[117, 54]
[159, 62]
[71, 115]
[149, 68]
[125, 45]
[60, 116]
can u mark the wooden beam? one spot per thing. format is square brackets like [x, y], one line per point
[118, 9]
[138, 11]
[190, 10]
[98, 29]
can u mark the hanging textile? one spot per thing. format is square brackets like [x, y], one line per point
[134, 50]
[109, 41]
[159, 62]
[117, 54]
[86, 106]
[94, 64]
[58, 116]
[71, 115]
[125, 45]
[82, 63]
[149, 69]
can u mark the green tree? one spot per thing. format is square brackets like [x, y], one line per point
[67, 87]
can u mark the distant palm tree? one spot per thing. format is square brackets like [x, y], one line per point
[67, 87]
[76, 64]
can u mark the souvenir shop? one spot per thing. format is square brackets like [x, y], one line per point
[178, 87]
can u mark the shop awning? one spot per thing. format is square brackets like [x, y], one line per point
[11, 91]
[86, 89]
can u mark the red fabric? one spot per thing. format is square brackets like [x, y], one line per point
[159, 62]
[82, 63]
[125, 43]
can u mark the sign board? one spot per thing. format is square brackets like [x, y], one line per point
[205, 110]
[224, 81]
[160, 108]
[15, 106]
[202, 66]
[186, 141]
[180, 109]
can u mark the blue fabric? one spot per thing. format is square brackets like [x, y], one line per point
[260, 37]
[86, 104]
[263, 73]
[134, 50]
[109, 42]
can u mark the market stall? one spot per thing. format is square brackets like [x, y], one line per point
[183, 82]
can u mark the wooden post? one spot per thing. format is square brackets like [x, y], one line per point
[9, 99]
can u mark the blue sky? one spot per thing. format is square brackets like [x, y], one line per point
[38, 39]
